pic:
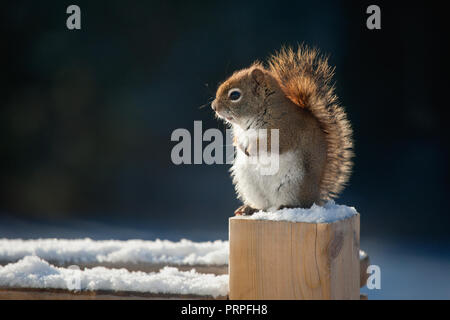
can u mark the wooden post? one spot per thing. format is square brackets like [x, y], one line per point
[294, 260]
[364, 263]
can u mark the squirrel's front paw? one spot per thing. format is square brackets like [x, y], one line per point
[244, 211]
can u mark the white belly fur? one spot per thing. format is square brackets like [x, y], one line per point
[268, 192]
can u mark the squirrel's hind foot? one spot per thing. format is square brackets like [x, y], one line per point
[245, 210]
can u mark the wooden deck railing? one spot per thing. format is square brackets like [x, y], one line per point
[268, 260]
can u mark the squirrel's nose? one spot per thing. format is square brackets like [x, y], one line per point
[214, 105]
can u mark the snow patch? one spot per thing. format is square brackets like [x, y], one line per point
[64, 251]
[184, 252]
[328, 213]
[33, 272]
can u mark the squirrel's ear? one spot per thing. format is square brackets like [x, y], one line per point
[258, 76]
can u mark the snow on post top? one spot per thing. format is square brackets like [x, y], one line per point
[328, 213]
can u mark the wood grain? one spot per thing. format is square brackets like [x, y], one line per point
[294, 260]
[364, 262]
[61, 294]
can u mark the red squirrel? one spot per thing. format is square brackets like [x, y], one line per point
[293, 94]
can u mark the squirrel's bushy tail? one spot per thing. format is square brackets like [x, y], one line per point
[305, 77]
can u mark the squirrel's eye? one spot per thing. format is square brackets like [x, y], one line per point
[235, 95]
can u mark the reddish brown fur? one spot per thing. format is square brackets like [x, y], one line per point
[297, 97]
[305, 78]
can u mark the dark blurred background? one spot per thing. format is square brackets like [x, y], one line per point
[86, 116]
[86, 119]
